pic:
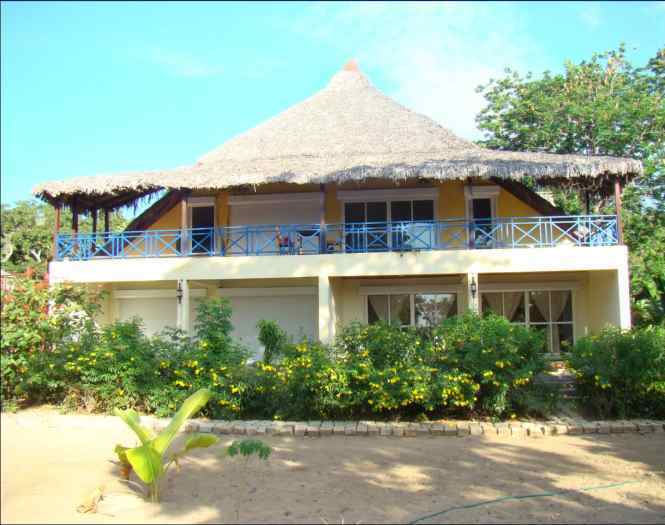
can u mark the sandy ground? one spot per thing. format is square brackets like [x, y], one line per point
[50, 463]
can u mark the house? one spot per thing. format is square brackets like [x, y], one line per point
[349, 206]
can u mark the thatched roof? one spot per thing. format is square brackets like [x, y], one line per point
[349, 130]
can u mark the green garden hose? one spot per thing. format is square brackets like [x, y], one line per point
[525, 496]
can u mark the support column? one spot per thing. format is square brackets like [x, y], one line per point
[183, 306]
[326, 310]
[322, 236]
[56, 231]
[623, 284]
[472, 292]
[94, 229]
[184, 246]
[617, 203]
[75, 218]
[107, 222]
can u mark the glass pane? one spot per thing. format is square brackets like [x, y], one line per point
[545, 329]
[400, 211]
[539, 307]
[431, 309]
[400, 309]
[377, 212]
[423, 210]
[562, 338]
[513, 302]
[562, 306]
[354, 212]
[491, 302]
[377, 308]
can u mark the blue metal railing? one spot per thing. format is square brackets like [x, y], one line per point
[365, 237]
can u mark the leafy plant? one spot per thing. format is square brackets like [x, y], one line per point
[149, 459]
[249, 447]
[621, 373]
[273, 339]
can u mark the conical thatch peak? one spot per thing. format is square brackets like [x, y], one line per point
[347, 130]
[347, 117]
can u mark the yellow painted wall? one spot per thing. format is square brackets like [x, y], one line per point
[510, 206]
[169, 221]
[451, 202]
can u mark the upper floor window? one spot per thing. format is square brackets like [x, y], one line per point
[390, 211]
[550, 311]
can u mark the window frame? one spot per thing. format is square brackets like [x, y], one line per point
[525, 291]
[411, 291]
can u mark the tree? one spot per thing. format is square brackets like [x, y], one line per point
[27, 233]
[603, 106]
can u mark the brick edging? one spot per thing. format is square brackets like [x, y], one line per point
[553, 427]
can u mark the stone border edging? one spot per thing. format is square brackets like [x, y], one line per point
[553, 427]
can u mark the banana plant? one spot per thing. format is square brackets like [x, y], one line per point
[149, 460]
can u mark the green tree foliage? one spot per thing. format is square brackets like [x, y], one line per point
[603, 106]
[27, 233]
[621, 373]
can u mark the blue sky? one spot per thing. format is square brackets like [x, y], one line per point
[92, 88]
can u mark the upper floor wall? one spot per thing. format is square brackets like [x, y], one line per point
[292, 204]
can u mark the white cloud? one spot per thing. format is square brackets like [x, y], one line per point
[432, 56]
[591, 16]
[182, 64]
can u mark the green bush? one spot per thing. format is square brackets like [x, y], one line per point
[465, 365]
[37, 322]
[621, 373]
[388, 372]
[212, 360]
[273, 339]
[305, 383]
[500, 357]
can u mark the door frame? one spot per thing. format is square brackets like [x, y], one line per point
[202, 202]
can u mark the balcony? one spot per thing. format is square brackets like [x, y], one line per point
[316, 239]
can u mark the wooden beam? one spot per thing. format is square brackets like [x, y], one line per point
[75, 218]
[94, 220]
[107, 221]
[617, 203]
[56, 230]
[322, 235]
[184, 246]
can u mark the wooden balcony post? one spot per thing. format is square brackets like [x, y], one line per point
[56, 230]
[107, 221]
[94, 228]
[75, 218]
[183, 226]
[322, 234]
[617, 202]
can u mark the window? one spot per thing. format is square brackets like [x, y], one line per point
[548, 310]
[375, 236]
[419, 309]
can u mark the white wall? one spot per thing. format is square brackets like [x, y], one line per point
[296, 314]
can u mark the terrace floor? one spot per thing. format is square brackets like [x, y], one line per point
[51, 463]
